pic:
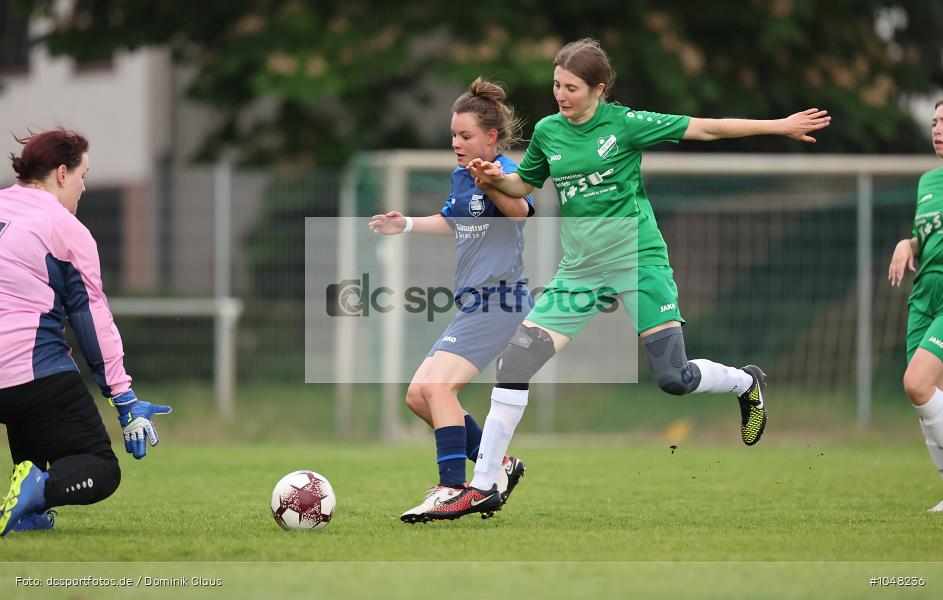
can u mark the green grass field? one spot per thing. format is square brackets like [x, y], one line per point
[588, 520]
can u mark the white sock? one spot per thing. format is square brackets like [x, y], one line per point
[931, 417]
[720, 379]
[507, 409]
[936, 452]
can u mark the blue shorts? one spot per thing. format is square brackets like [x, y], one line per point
[479, 336]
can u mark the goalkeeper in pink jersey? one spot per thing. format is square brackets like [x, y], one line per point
[50, 272]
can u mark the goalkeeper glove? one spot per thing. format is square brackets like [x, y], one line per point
[135, 416]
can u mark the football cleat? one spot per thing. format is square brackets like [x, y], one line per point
[467, 501]
[25, 495]
[753, 407]
[937, 509]
[512, 469]
[436, 495]
[36, 521]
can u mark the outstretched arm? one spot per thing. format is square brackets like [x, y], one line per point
[394, 222]
[797, 126]
[491, 173]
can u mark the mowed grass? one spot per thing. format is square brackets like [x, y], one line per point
[577, 503]
[614, 518]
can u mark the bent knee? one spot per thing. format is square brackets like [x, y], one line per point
[916, 388]
[110, 478]
[116, 474]
[433, 392]
[414, 398]
[529, 349]
[672, 384]
[678, 382]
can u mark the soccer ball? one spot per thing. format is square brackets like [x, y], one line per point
[303, 500]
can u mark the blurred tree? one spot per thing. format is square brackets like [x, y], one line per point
[312, 82]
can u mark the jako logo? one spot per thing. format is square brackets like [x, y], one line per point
[449, 338]
[555, 157]
[935, 341]
[668, 307]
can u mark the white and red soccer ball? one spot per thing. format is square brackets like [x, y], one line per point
[303, 500]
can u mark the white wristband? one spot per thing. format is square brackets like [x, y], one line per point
[409, 225]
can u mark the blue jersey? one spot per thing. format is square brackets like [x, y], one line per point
[490, 247]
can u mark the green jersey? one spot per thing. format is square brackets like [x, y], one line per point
[596, 168]
[927, 223]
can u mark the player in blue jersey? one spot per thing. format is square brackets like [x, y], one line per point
[923, 380]
[490, 291]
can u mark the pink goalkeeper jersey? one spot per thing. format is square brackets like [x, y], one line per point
[49, 272]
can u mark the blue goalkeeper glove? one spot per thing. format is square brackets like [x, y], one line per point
[135, 416]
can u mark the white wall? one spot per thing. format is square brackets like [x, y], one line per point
[122, 110]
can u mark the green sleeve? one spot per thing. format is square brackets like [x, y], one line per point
[646, 129]
[534, 168]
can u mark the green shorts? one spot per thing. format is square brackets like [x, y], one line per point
[925, 316]
[648, 295]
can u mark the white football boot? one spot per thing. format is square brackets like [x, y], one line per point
[436, 495]
[937, 509]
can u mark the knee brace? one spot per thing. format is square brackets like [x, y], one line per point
[670, 366]
[529, 349]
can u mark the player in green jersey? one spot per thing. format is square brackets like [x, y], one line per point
[923, 380]
[592, 151]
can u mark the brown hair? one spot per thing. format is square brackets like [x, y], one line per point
[487, 101]
[44, 152]
[938, 103]
[587, 60]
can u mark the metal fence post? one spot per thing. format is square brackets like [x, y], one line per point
[395, 197]
[345, 329]
[865, 284]
[224, 351]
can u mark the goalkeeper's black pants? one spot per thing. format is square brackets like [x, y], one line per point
[54, 423]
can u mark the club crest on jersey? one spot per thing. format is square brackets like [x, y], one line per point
[606, 147]
[476, 205]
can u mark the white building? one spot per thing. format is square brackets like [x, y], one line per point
[151, 213]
